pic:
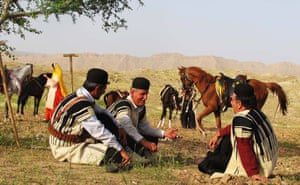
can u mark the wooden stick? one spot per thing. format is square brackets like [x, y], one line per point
[71, 65]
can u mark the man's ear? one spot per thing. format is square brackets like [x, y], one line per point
[239, 103]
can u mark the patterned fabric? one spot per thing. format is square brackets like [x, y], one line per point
[255, 125]
[67, 123]
[225, 86]
[124, 107]
[133, 119]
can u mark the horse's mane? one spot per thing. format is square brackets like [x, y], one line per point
[197, 72]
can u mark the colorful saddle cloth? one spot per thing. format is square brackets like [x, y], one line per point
[225, 86]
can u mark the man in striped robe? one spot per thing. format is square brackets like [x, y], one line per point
[253, 141]
[83, 132]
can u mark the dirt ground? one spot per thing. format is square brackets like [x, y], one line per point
[32, 163]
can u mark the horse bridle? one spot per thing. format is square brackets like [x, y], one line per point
[184, 77]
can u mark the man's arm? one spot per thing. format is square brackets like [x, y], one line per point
[97, 130]
[220, 133]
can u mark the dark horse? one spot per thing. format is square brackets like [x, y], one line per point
[206, 85]
[170, 100]
[34, 87]
[15, 78]
[114, 95]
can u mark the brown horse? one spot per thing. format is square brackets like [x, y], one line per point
[114, 95]
[205, 83]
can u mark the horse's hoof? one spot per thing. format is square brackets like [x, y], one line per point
[202, 132]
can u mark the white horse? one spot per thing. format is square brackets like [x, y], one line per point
[15, 79]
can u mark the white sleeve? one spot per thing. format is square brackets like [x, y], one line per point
[130, 129]
[97, 130]
[146, 129]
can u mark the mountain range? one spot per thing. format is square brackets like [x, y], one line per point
[163, 61]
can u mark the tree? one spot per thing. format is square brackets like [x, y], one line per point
[16, 15]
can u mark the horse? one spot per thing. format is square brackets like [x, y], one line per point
[114, 95]
[170, 100]
[206, 85]
[15, 77]
[34, 87]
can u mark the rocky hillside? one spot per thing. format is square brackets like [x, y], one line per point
[119, 62]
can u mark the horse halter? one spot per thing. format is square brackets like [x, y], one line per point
[186, 82]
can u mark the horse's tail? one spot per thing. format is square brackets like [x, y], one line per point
[282, 99]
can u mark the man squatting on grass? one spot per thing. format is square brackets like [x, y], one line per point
[83, 132]
[249, 146]
[130, 114]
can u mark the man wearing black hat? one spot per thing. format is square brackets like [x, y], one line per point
[82, 132]
[253, 141]
[131, 116]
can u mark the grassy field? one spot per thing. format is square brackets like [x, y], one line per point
[33, 163]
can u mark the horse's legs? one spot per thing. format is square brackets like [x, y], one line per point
[6, 112]
[23, 102]
[218, 119]
[162, 117]
[6, 118]
[36, 106]
[19, 102]
[204, 113]
[170, 117]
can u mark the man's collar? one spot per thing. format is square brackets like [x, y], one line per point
[83, 92]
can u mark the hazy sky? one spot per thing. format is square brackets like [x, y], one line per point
[266, 31]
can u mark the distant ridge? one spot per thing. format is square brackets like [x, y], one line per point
[164, 61]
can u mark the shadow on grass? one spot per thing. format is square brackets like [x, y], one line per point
[291, 177]
[289, 149]
[39, 142]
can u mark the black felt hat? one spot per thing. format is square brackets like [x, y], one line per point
[98, 76]
[245, 93]
[141, 83]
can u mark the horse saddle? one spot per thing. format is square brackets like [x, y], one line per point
[225, 86]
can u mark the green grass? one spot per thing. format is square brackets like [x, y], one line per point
[33, 163]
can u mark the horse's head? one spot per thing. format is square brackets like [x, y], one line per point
[43, 77]
[185, 79]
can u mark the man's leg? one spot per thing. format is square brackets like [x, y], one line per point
[217, 160]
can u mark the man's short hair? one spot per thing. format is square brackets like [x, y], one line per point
[245, 93]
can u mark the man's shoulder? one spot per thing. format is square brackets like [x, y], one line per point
[120, 104]
[77, 101]
[241, 119]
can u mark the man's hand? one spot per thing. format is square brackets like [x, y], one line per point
[149, 145]
[171, 133]
[260, 178]
[125, 156]
[213, 142]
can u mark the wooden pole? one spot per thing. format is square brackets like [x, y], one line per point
[70, 55]
[11, 115]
